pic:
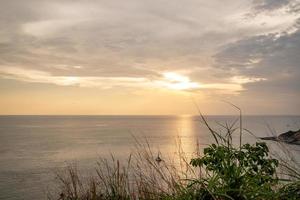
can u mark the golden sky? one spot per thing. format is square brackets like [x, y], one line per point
[149, 57]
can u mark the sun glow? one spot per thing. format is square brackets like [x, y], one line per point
[178, 82]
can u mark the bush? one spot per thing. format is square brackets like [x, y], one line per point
[245, 173]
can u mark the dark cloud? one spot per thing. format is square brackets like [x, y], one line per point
[259, 6]
[274, 57]
[263, 5]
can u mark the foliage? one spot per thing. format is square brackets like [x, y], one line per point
[245, 173]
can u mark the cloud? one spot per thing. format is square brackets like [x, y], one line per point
[263, 5]
[97, 82]
[274, 58]
[109, 44]
[167, 80]
[113, 38]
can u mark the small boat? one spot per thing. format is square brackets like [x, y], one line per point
[158, 159]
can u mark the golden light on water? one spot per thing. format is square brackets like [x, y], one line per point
[185, 127]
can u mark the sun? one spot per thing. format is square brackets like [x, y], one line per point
[177, 81]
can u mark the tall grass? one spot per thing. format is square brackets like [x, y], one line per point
[141, 176]
[223, 171]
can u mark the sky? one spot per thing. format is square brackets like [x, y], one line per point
[149, 57]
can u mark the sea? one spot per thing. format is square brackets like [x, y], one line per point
[34, 148]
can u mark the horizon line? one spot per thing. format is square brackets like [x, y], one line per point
[153, 115]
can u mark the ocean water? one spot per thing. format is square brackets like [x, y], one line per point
[33, 148]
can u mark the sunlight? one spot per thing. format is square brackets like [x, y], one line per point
[69, 80]
[174, 77]
[178, 82]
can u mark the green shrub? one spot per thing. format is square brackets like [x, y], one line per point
[245, 173]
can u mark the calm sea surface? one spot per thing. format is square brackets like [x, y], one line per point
[32, 148]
